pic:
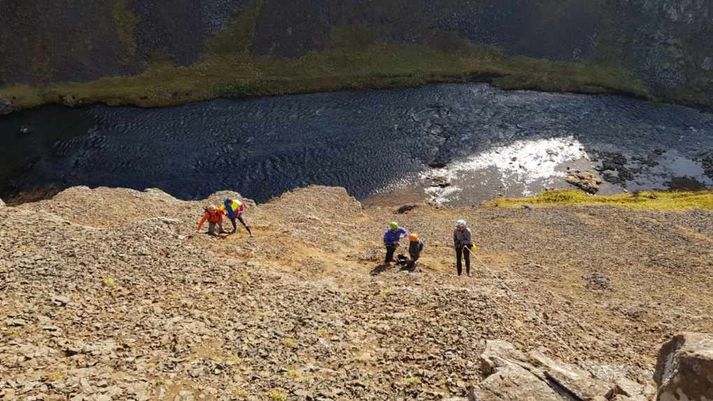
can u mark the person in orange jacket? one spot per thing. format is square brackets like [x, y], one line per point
[214, 217]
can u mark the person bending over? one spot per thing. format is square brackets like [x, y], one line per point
[415, 246]
[392, 237]
[234, 209]
[214, 217]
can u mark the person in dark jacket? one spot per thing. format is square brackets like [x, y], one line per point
[415, 247]
[463, 242]
[392, 237]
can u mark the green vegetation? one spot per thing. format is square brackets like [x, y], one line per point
[109, 282]
[354, 37]
[237, 36]
[648, 200]
[125, 22]
[375, 66]
[23, 96]
[277, 395]
[526, 73]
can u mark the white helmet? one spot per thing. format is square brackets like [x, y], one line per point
[461, 223]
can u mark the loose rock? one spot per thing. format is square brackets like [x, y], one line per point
[588, 181]
[684, 370]
[5, 106]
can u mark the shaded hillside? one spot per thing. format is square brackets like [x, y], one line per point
[663, 43]
[108, 294]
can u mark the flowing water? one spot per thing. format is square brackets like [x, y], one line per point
[450, 143]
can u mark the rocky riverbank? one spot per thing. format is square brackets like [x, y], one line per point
[109, 295]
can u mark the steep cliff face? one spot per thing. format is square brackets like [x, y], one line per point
[665, 43]
[668, 44]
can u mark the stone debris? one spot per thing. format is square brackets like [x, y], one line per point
[684, 370]
[597, 281]
[588, 181]
[69, 100]
[511, 375]
[110, 294]
[406, 208]
[5, 106]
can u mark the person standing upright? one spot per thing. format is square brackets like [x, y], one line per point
[463, 243]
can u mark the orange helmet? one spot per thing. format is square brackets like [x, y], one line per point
[413, 237]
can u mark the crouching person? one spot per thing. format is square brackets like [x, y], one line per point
[415, 247]
[214, 217]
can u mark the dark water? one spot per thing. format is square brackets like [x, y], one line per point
[365, 141]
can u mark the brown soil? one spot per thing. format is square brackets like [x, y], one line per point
[107, 294]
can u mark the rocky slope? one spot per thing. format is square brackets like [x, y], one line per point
[107, 294]
[665, 43]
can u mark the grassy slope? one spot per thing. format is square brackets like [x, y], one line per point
[648, 200]
[377, 66]
[355, 60]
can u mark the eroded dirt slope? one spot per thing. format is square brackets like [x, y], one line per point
[107, 295]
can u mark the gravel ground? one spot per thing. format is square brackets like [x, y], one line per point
[108, 294]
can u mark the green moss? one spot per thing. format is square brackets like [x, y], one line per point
[353, 36]
[648, 200]
[277, 395]
[237, 37]
[125, 22]
[23, 96]
[526, 73]
[376, 66]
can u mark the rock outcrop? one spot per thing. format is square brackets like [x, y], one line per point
[514, 376]
[588, 181]
[5, 106]
[684, 370]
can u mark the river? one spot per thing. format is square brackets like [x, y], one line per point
[453, 143]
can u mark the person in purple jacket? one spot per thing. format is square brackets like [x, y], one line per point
[392, 237]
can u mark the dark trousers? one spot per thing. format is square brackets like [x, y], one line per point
[390, 249]
[235, 227]
[462, 253]
[411, 265]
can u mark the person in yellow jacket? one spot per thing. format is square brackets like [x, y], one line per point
[234, 209]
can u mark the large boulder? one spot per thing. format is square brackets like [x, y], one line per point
[576, 381]
[511, 375]
[5, 106]
[684, 370]
[515, 383]
[588, 181]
